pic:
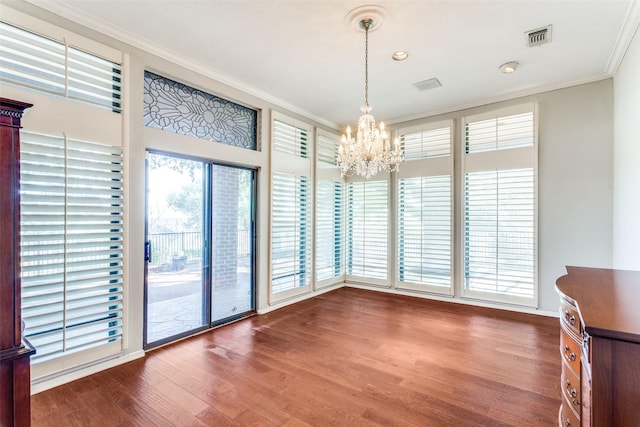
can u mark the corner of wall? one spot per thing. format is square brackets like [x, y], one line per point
[626, 159]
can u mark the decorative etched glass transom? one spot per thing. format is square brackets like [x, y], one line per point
[178, 108]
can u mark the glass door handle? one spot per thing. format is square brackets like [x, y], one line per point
[147, 251]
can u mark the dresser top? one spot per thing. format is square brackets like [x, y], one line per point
[608, 300]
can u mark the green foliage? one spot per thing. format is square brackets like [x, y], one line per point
[188, 201]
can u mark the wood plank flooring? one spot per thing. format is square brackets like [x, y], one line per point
[349, 357]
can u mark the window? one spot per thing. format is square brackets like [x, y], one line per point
[367, 225]
[72, 244]
[72, 191]
[34, 61]
[176, 107]
[330, 212]
[425, 209]
[291, 207]
[500, 231]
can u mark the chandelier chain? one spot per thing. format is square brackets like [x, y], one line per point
[367, 24]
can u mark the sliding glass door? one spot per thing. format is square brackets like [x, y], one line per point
[199, 246]
[176, 287]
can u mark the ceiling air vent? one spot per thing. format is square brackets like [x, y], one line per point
[428, 84]
[539, 37]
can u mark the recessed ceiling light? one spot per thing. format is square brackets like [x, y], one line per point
[400, 55]
[509, 67]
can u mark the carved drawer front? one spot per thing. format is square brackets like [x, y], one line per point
[566, 416]
[569, 316]
[571, 389]
[570, 351]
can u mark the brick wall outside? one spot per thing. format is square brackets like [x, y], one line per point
[224, 217]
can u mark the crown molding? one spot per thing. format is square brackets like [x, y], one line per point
[73, 14]
[625, 36]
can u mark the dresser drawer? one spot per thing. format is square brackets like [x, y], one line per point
[571, 390]
[570, 317]
[570, 351]
[566, 417]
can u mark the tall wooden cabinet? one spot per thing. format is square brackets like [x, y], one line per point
[600, 347]
[15, 386]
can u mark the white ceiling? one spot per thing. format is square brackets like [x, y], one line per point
[302, 55]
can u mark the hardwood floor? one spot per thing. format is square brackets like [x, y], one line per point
[349, 357]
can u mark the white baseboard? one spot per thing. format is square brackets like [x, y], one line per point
[289, 301]
[76, 373]
[477, 303]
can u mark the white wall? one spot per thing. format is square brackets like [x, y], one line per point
[575, 182]
[626, 160]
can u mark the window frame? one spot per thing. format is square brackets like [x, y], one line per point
[329, 172]
[499, 159]
[292, 164]
[50, 364]
[363, 279]
[427, 167]
[57, 116]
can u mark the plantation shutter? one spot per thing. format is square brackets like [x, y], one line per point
[330, 229]
[94, 80]
[367, 227]
[500, 231]
[31, 60]
[291, 208]
[37, 62]
[499, 133]
[327, 149]
[426, 143]
[291, 233]
[290, 139]
[330, 212]
[72, 244]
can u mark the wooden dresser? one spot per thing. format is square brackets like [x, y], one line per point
[600, 347]
[15, 385]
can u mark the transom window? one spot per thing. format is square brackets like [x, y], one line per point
[34, 61]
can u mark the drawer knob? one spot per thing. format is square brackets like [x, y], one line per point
[567, 423]
[569, 354]
[571, 319]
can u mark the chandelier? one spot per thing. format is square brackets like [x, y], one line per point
[371, 150]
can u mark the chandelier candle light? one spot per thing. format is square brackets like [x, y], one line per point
[370, 151]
